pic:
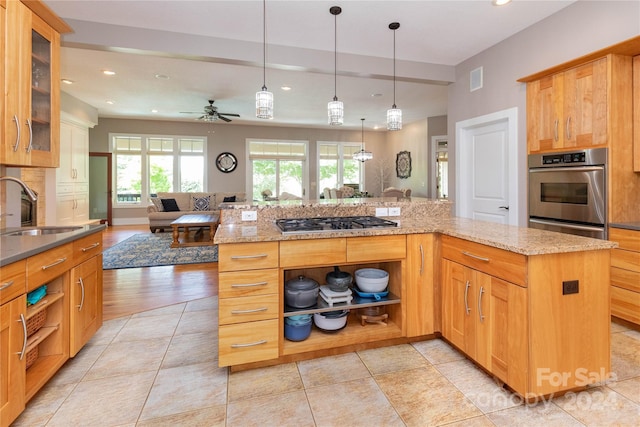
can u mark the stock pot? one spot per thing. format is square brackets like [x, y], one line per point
[301, 292]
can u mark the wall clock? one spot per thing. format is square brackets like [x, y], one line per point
[226, 162]
[403, 164]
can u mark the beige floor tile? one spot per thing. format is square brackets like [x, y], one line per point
[197, 321]
[264, 381]
[106, 402]
[332, 370]
[617, 327]
[543, 414]
[75, 369]
[481, 421]
[625, 356]
[191, 349]
[600, 407]
[478, 386]
[146, 328]
[44, 405]
[108, 331]
[214, 416]
[354, 403]
[628, 388]
[210, 303]
[633, 334]
[437, 351]
[423, 397]
[129, 357]
[170, 309]
[186, 388]
[278, 410]
[394, 358]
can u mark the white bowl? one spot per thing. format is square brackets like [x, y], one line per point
[372, 279]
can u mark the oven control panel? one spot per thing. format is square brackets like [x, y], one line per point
[553, 159]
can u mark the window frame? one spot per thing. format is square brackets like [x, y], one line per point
[341, 157]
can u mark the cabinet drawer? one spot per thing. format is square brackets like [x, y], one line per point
[297, 253]
[376, 248]
[626, 279]
[627, 239]
[496, 262]
[87, 247]
[64, 189]
[247, 256]
[246, 283]
[48, 265]
[625, 304]
[628, 260]
[247, 309]
[13, 281]
[248, 342]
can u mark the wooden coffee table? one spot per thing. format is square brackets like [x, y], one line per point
[190, 221]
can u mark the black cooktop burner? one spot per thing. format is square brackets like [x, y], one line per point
[303, 225]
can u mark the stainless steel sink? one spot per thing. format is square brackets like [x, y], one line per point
[40, 231]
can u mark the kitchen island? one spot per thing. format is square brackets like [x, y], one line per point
[529, 306]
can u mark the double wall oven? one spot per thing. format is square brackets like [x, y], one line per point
[568, 192]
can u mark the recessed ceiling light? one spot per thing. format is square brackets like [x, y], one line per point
[67, 81]
[108, 73]
[375, 95]
[154, 111]
[110, 102]
[285, 88]
[162, 77]
[500, 2]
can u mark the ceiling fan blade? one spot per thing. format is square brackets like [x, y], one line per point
[190, 112]
[229, 114]
[223, 118]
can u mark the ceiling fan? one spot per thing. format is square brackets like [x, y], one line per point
[211, 113]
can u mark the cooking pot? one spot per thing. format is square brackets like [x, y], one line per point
[301, 292]
[297, 332]
[337, 280]
[331, 320]
[372, 279]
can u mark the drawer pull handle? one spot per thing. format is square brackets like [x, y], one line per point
[476, 257]
[81, 283]
[53, 264]
[466, 298]
[15, 119]
[253, 310]
[30, 146]
[88, 248]
[6, 285]
[249, 256]
[249, 344]
[421, 259]
[480, 305]
[248, 285]
[24, 334]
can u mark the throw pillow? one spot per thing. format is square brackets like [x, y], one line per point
[201, 203]
[229, 199]
[170, 205]
[157, 203]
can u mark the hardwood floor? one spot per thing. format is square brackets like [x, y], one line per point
[132, 290]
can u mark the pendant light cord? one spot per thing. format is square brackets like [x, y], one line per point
[335, 57]
[264, 45]
[362, 138]
[394, 68]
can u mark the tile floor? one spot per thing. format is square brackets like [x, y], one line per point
[159, 368]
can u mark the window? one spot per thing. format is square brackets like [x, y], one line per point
[336, 166]
[148, 164]
[277, 167]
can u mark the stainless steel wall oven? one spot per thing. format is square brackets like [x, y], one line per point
[567, 192]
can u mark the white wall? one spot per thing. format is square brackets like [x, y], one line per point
[577, 30]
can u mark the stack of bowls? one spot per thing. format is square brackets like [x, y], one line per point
[297, 327]
[372, 280]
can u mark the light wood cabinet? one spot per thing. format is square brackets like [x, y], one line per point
[420, 290]
[569, 110]
[636, 113]
[32, 87]
[625, 274]
[12, 352]
[86, 302]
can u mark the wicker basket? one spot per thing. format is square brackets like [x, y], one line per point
[32, 356]
[36, 322]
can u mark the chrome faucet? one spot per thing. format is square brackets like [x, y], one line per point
[27, 190]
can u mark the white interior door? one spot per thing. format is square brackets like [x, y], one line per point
[486, 159]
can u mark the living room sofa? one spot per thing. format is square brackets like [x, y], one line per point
[187, 203]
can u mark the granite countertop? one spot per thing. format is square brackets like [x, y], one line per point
[16, 248]
[634, 225]
[521, 240]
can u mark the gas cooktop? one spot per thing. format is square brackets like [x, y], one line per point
[309, 225]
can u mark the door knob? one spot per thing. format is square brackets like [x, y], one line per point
[506, 208]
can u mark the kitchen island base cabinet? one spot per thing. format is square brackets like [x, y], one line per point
[12, 339]
[625, 275]
[86, 297]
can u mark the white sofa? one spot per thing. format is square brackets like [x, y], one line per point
[188, 203]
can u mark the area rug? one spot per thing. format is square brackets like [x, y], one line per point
[151, 250]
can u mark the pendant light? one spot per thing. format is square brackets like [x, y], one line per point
[394, 114]
[264, 99]
[363, 156]
[335, 108]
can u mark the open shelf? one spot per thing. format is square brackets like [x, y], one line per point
[39, 336]
[356, 302]
[45, 302]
